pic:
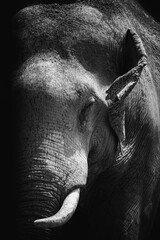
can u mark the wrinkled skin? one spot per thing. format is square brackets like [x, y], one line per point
[87, 122]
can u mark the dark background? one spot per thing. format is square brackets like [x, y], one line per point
[7, 12]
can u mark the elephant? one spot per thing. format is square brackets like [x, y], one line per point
[86, 106]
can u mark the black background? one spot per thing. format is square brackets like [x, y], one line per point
[7, 11]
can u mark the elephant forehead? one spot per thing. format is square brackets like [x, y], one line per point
[87, 13]
[57, 79]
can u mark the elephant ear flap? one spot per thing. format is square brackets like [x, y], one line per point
[131, 63]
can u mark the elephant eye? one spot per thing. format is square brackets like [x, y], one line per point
[85, 113]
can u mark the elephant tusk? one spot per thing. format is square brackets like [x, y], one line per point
[64, 214]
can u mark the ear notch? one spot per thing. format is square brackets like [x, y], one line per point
[134, 57]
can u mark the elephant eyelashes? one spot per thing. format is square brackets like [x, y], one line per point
[85, 113]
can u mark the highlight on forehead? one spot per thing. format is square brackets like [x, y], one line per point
[56, 78]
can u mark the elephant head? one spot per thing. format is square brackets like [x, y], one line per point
[70, 128]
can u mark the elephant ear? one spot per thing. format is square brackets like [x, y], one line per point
[131, 63]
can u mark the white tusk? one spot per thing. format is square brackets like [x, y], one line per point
[64, 214]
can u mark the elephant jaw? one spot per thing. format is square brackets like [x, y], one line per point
[64, 214]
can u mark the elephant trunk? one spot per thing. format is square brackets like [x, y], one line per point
[36, 197]
[47, 188]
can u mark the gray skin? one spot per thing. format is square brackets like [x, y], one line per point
[86, 93]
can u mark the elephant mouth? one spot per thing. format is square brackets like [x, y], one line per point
[66, 211]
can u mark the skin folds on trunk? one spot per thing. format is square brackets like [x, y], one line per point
[40, 192]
